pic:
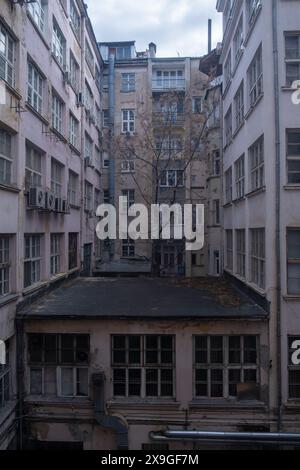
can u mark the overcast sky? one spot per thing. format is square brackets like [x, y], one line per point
[178, 27]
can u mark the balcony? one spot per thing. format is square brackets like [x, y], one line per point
[168, 84]
[168, 119]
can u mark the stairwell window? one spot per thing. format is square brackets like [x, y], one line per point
[55, 257]
[228, 127]
[73, 131]
[216, 163]
[128, 82]
[229, 249]
[253, 7]
[58, 364]
[74, 73]
[293, 156]
[128, 121]
[228, 186]
[223, 363]
[56, 178]
[37, 10]
[238, 41]
[239, 106]
[73, 250]
[6, 157]
[73, 188]
[293, 255]
[58, 44]
[75, 19]
[241, 252]
[35, 88]
[240, 177]
[227, 70]
[258, 257]
[32, 260]
[255, 78]
[292, 57]
[143, 366]
[57, 113]
[7, 56]
[88, 196]
[33, 169]
[89, 57]
[4, 265]
[257, 164]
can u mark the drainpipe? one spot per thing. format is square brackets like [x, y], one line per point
[111, 98]
[82, 176]
[278, 211]
[110, 422]
[226, 437]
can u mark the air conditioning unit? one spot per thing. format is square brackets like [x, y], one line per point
[65, 206]
[80, 100]
[58, 204]
[88, 162]
[36, 198]
[50, 201]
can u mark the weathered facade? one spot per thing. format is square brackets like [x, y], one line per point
[50, 113]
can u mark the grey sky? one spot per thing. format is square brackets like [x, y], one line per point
[176, 26]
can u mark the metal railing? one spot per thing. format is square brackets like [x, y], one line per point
[168, 84]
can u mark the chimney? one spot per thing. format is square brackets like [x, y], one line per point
[152, 50]
[209, 34]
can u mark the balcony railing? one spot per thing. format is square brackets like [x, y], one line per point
[168, 84]
[168, 119]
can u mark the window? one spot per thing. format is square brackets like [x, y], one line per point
[4, 265]
[56, 178]
[98, 116]
[216, 212]
[128, 166]
[128, 248]
[228, 127]
[172, 179]
[75, 19]
[98, 77]
[293, 255]
[223, 363]
[88, 197]
[240, 177]
[89, 100]
[73, 250]
[197, 105]
[128, 120]
[74, 73]
[58, 44]
[130, 195]
[7, 57]
[143, 366]
[241, 252]
[88, 148]
[239, 106]
[73, 131]
[106, 196]
[33, 171]
[292, 57]
[59, 364]
[258, 257]
[5, 379]
[128, 82]
[123, 53]
[294, 371]
[169, 79]
[6, 159]
[32, 260]
[97, 199]
[238, 41]
[37, 12]
[257, 166]
[105, 160]
[293, 156]
[255, 78]
[35, 88]
[57, 113]
[73, 188]
[229, 250]
[98, 161]
[216, 163]
[227, 70]
[253, 7]
[105, 118]
[228, 186]
[55, 257]
[89, 57]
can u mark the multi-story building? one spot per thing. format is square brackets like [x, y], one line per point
[153, 112]
[50, 123]
[260, 60]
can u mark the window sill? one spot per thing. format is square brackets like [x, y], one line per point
[8, 187]
[75, 206]
[40, 33]
[227, 205]
[250, 111]
[292, 187]
[215, 403]
[256, 289]
[212, 177]
[37, 114]
[74, 150]
[7, 299]
[38, 399]
[288, 88]
[58, 63]
[256, 192]
[60, 136]
[291, 298]
[226, 89]
[13, 91]
[141, 403]
[34, 288]
[241, 53]
[58, 277]
[238, 129]
[127, 91]
[238, 200]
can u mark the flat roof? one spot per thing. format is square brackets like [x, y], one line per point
[144, 297]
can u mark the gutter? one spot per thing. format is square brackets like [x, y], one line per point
[109, 422]
[278, 212]
[226, 437]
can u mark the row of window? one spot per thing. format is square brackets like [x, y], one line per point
[33, 258]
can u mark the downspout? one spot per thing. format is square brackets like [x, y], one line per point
[109, 422]
[82, 176]
[111, 98]
[20, 377]
[278, 213]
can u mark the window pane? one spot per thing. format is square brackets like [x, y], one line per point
[119, 382]
[82, 382]
[50, 381]
[67, 384]
[36, 381]
[134, 382]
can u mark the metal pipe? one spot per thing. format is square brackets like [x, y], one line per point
[225, 436]
[278, 212]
